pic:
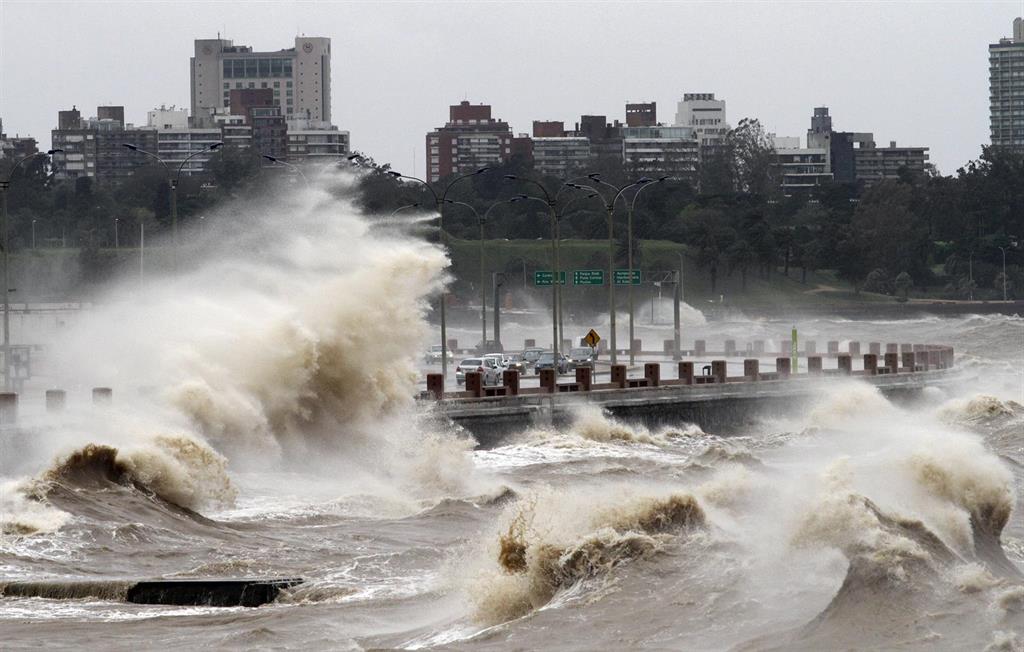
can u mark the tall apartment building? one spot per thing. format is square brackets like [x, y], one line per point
[16, 147]
[94, 147]
[470, 140]
[661, 150]
[706, 116]
[298, 77]
[312, 141]
[874, 164]
[176, 141]
[641, 114]
[1006, 89]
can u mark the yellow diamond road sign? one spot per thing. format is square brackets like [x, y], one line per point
[592, 338]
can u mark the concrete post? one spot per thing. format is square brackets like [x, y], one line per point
[102, 396]
[475, 383]
[845, 363]
[752, 369]
[950, 357]
[759, 346]
[814, 367]
[529, 343]
[892, 362]
[548, 380]
[875, 348]
[810, 347]
[584, 378]
[730, 348]
[55, 400]
[510, 379]
[891, 347]
[854, 349]
[833, 347]
[700, 347]
[619, 375]
[652, 372]
[8, 408]
[870, 364]
[908, 360]
[686, 372]
[905, 348]
[637, 346]
[934, 361]
[435, 385]
[783, 367]
[720, 370]
[921, 356]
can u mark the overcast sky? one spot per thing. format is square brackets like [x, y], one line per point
[916, 73]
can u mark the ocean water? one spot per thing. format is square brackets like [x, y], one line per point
[263, 426]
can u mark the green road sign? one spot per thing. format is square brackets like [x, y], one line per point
[544, 278]
[588, 277]
[622, 277]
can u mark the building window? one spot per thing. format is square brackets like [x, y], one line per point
[288, 84]
[288, 92]
[263, 84]
[238, 84]
[227, 85]
[252, 84]
[277, 84]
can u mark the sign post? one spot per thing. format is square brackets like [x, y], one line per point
[794, 357]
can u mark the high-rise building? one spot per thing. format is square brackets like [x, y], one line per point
[1006, 89]
[706, 116]
[470, 140]
[660, 150]
[16, 147]
[298, 77]
[94, 147]
[641, 114]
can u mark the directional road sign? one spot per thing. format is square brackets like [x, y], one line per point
[545, 277]
[588, 277]
[591, 339]
[622, 277]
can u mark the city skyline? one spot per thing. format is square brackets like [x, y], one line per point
[388, 93]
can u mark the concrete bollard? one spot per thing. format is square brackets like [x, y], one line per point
[730, 348]
[686, 372]
[638, 346]
[854, 349]
[475, 383]
[870, 364]
[950, 358]
[619, 375]
[510, 380]
[652, 372]
[783, 367]
[892, 362]
[934, 361]
[833, 347]
[891, 347]
[8, 408]
[810, 347]
[668, 346]
[720, 370]
[435, 385]
[908, 360]
[700, 347]
[785, 346]
[55, 400]
[102, 396]
[921, 356]
[814, 366]
[845, 364]
[453, 345]
[752, 369]
[906, 348]
[529, 343]
[584, 378]
[875, 348]
[548, 380]
[759, 346]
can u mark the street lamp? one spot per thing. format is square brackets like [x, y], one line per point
[33, 233]
[173, 183]
[402, 208]
[610, 208]
[481, 221]
[1003, 249]
[439, 201]
[274, 159]
[5, 185]
[117, 245]
[646, 182]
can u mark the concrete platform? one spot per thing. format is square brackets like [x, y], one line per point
[190, 592]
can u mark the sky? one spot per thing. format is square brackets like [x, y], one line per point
[913, 72]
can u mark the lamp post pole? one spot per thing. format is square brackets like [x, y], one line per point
[33, 233]
[172, 182]
[117, 243]
[5, 186]
[439, 201]
[274, 159]
[1003, 249]
[645, 182]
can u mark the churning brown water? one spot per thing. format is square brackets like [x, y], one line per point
[278, 438]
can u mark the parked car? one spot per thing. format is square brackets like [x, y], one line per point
[433, 355]
[487, 366]
[547, 361]
[531, 354]
[500, 358]
[517, 362]
[489, 346]
[582, 356]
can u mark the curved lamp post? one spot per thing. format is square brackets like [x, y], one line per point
[274, 159]
[647, 182]
[173, 183]
[439, 202]
[5, 185]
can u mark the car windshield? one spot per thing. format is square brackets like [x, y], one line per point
[546, 357]
[580, 353]
[436, 348]
[515, 357]
[472, 362]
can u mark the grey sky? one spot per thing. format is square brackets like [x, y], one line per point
[912, 72]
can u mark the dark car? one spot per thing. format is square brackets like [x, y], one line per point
[547, 361]
[517, 362]
[531, 354]
[582, 356]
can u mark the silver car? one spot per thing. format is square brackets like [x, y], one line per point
[486, 366]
